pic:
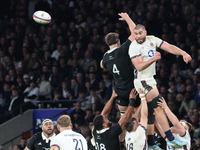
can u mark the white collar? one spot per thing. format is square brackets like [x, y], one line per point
[47, 139]
[111, 50]
[102, 130]
[92, 142]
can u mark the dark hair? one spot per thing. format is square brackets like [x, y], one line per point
[130, 124]
[111, 38]
[98, 122]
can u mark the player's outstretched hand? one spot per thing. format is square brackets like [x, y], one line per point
[114, 95]
[124, 16]
[133, 94]
[162, 103]
[157, 56]
[187, 58]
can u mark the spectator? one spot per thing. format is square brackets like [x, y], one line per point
[26, 80]
[64, 89]
[187, 104]
[93, 80]
[88, 61]
[197, 95]
[22, 144]
[13, 105]
[75, 69]
[77, 111]
[55, 78]
[31, 95]
[44, 89]
[57, 97]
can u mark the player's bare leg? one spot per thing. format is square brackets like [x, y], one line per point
[152, 98]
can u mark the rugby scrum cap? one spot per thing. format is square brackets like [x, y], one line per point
[45, 121]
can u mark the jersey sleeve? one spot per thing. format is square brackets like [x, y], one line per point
[134, 51]
[54, 142]
[125, 46]
[116, 130]
[158, 42]
[32, 141]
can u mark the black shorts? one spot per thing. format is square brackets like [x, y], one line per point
[122, 101]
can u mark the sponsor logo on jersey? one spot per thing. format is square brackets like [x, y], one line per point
[171, 148]
[129, 139]
[111, 57]
[150, 53]
[40, 143]
[117, 100]
[151, 44]
[45, 148]
[98, 137]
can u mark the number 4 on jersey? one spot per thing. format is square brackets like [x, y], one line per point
[115, 70]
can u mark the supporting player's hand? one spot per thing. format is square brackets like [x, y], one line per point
[140, 91]
[124, 16]
[133, 94]
[114, 95]
[187, 58]
[162, 103]
[157, 56]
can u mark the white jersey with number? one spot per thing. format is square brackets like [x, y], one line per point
[147, 51]
[136, 140]
[185, 138]
[69, 140]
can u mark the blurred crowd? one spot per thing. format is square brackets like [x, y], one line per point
[60, 61]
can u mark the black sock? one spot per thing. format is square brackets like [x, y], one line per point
[169, 135]
[151, 140]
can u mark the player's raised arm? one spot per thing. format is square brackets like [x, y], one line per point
[131, 24]
[107, 108]
[174, 120]
[176, 51]
[129, 112]
[144, 109]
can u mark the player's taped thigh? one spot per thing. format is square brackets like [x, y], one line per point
[151, 116]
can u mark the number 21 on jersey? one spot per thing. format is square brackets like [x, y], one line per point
[115, 70]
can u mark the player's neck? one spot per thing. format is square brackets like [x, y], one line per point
[113, 46]
[47, 136]
[67, 128]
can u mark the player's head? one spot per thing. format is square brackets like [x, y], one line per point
[101, 122]
[140, 33]
[131, 124]
[47, 126]
[112, 38]
[64, 121]
[186, 125]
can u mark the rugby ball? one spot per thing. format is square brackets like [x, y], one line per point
[41, 17]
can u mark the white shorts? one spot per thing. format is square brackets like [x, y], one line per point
[146, 84]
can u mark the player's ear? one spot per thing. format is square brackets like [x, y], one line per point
[71, 125]
[58, 127]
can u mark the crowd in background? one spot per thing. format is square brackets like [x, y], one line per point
[60, 61]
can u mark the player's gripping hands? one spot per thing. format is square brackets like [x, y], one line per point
[132, 97]
[157, 56]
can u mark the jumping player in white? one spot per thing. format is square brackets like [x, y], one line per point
[136, 136]
[143, 54]
[180, 128]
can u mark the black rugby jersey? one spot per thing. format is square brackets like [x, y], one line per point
[37, 143]
[108, 139]
[118, 62]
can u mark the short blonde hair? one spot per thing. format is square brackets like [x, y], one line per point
[64, 121]
[184, 122]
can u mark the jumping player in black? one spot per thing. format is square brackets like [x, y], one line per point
[107, 137]
[118, 62]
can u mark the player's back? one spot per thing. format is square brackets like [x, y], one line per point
[136, 140]
[118, 62]
[108, 139]
[69, 140]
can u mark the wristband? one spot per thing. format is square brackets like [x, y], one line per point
[142, 97]
[132, 102]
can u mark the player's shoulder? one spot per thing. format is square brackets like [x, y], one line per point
[151, 37]
[37, 135]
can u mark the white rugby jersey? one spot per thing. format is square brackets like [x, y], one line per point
[69, 140]
[136, 140]
[185, 138]
[147, 51]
